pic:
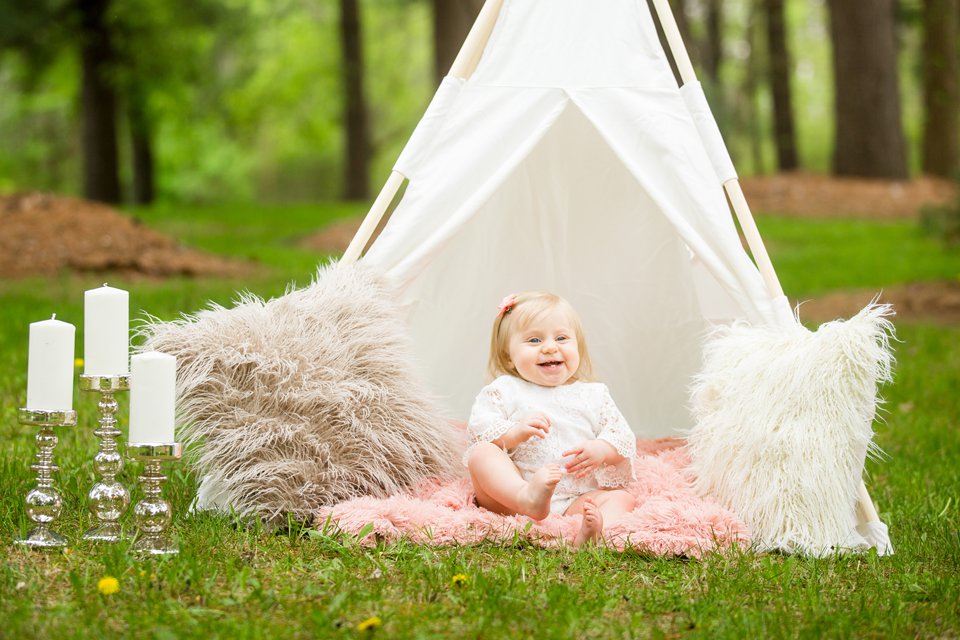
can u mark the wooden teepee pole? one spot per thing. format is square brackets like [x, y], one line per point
[476, 41]
[463, 67]
[732, 186]
[372, 220]
[738, 201]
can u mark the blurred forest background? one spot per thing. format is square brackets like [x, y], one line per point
[136, 101]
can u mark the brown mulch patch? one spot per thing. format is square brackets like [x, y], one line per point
[333, 238]
[819, 196]
[44, 233]
[935, 302]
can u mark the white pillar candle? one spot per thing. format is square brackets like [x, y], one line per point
[106, 331]
[153, 380]
[50, 365]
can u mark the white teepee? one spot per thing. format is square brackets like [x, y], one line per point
[559, 154]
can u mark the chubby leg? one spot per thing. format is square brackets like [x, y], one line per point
[597, 507]
[501, 489]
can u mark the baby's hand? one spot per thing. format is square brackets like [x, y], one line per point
[589, 457]
[530, 425]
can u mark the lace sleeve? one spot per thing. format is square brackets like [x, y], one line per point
[613, 428]
[488, 418]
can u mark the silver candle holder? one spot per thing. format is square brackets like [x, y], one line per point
[43, 501]
[152, 513]
[108, 499]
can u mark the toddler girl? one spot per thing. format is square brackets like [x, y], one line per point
[545, 438]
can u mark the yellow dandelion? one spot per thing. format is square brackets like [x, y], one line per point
[78, 362]
[370, 624]
[458, 580]
[108, 585]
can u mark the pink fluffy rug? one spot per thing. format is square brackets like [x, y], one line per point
[670, 518]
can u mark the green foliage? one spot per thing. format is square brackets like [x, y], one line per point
[37, 29]
[398, 89]
[244, 97]
[237, 580]
[40, 148]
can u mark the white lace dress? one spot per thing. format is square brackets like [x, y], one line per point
[578, 412]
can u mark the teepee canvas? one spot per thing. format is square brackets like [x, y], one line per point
[570, 161]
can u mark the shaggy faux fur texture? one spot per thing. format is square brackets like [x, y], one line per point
[304, 400]
[784, 423]
[670, 518]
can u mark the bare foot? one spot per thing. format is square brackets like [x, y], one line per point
[592, 525]
[534, 498]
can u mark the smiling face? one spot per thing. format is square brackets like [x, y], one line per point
[545, 350]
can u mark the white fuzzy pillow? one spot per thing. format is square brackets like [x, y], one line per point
[783, 423]
[304, 400]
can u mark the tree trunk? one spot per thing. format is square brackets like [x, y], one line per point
[356, 186]
[141, 142]
[452, 20]
[869, 140]
[784, 131]
[100, 170]
[941, 87]
[750, 93]
[713, 45]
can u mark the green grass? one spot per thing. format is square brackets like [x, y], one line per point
[234, 581]
[263, 233]
[815, 256]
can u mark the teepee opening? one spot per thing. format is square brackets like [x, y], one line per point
[573, 220]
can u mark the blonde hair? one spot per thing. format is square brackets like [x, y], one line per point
[529, 306]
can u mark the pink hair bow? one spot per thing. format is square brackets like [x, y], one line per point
[506, 304]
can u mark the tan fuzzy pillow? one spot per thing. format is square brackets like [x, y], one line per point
[304, 400]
